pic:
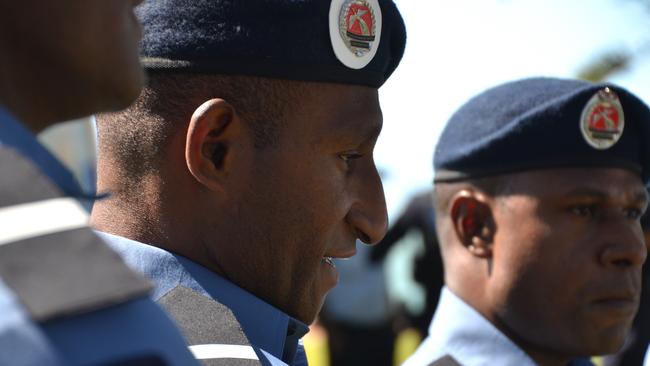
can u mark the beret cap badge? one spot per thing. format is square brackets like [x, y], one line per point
[602, 120]
[355, 31]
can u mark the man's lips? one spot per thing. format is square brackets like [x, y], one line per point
[329, 261]
[621, 302]
[329, 258]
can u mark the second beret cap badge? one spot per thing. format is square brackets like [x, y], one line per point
[355, 31]
[602, 120]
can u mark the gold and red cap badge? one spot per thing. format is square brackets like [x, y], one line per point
[602, 120]
[355, 31]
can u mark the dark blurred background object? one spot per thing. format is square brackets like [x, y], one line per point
[357, 314]
[418, 216]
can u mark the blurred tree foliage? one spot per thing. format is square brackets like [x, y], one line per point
[612, 61]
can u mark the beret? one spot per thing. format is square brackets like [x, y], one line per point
[540, 123]
[341, 41]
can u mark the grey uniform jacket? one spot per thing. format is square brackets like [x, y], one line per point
[65, 297]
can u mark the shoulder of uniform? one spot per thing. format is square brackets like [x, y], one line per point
[199, 316]
[211, 329]
[49, 256]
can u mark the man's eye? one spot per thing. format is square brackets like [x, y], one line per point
[633, 213]
[583, 210]
[349, 157]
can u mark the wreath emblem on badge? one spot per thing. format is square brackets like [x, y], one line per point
[355, 31]
[357, 26]
[602, 121]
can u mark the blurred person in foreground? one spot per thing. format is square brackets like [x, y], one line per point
[256, 165]
[539, 190]
[65, 297]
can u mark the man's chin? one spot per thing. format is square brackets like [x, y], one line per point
[127, 92]
[308, 314]
[608, 341]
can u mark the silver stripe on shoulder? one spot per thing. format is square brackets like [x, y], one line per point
[29, 220]
[215, 351]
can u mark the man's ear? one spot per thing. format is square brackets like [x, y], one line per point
[473, 221]
[213, 142]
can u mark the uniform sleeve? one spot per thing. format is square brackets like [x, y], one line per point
[123, 334]
[22, 343]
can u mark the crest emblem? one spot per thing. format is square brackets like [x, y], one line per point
[602, 121]
[357, 26]
[355, 31]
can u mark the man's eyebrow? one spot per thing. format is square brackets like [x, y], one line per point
[363, 132]
[372, 131]
[587, 191]
[638, 195]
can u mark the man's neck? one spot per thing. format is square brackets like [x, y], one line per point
[113, 216]
[540, 356]
[474, 295]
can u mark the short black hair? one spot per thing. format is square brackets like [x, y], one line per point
[136, 138]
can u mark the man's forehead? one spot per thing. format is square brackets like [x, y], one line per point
[345, 110]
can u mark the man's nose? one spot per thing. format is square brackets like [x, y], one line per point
[625, 245]
[368, 216]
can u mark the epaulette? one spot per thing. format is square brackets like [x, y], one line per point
[49, 256]
[210, 328]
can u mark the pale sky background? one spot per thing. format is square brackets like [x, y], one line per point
[456, 49]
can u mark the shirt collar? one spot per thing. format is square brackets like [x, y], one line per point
[462, 332]
[15, 135]
[459, 330]
[265, 326]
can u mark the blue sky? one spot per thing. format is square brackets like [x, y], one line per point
[456, 49]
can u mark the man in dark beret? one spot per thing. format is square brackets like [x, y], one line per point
[65, 297]
[255, 166]
[539, 190]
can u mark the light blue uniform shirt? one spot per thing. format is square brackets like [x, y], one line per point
[129, 330]
[268, 329]
[21, 341]
[461, 332]
[647, 357]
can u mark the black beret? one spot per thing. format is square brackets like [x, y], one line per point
[310, 40]
[542, 123]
